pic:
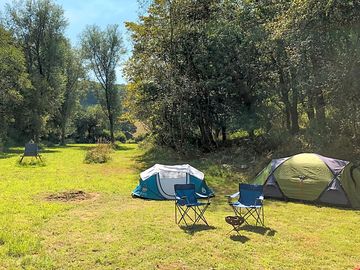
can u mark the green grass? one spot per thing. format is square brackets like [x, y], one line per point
[114, 231]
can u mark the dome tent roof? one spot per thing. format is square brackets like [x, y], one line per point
[171, 171]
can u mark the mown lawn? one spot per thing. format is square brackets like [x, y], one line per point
[115, 231]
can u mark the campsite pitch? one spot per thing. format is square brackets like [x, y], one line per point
[72, 215]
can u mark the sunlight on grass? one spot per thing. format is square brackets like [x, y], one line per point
[115, 231]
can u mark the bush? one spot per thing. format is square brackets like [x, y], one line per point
[239, 134]
[120, 136]
[99, 154]
[141, 137]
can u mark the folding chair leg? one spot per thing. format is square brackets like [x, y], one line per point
[256, 213]
[200, 214]
[235, 229]
[238, 212]
[175, 214]
[22, 157]
[195, 212]
[183, 215]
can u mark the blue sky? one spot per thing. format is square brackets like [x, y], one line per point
[80, 13]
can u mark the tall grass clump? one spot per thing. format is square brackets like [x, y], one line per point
[101, 153]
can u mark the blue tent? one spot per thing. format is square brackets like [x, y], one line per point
[157, 182]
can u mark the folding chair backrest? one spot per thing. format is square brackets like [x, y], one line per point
[185, 190]
[249, 194]
[31, 149]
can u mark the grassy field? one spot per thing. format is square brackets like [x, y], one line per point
[114, 231]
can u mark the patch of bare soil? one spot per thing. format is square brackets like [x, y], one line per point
[71, 196]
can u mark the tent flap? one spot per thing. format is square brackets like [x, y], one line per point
[334, 194]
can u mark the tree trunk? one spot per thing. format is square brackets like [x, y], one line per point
[223, 133]
[63, 133]
[320, 109]
[287, 117]
[284, 94]
[319, 96]
[310, 111]
[294, 119]
[111, 121]
[294, 112]
[207, 140]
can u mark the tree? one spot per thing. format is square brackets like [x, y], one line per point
[195, 69]
[89, 124]
[39, 28]
[14, 82]
[74, 71]
[103, 51]
[205, 68]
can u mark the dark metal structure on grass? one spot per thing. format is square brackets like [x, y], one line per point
[31, 150]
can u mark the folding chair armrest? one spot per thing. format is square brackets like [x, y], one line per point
[229, 197]
[201, 196]
[260, 199]
[233, 195]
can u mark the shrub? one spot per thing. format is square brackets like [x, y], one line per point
[99, 154]
[141, 137]
[238, 134]
[120, 136]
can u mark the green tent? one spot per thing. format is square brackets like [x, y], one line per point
[314, 178]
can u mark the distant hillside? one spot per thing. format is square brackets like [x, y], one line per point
[89, 99]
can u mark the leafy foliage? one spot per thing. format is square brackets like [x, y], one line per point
[43, 78]
[202, 70]
[103, 50]
[14, 82]
[101, 153]
[39, 28]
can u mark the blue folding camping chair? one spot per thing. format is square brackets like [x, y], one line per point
[249, 204]
[31, 150]
[188, 206]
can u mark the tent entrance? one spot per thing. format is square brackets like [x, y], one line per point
[272, 189]
[334, 194]
[166, 181]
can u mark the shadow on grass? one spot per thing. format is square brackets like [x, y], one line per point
[196, 228]
[31, 163]
[240, 238]
[20, 151]
[6, 155]
[123, 147]
[78, 147]
[259, 230]
[117, 147]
